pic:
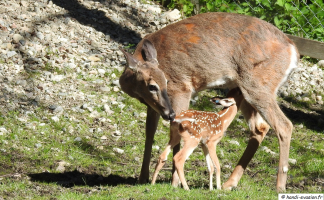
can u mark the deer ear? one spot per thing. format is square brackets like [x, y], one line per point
[227, 102]
[148, 51]
[131, 61]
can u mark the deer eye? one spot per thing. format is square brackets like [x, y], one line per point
[152, 88]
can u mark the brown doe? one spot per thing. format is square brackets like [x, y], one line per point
[202, 127]
[214, 50]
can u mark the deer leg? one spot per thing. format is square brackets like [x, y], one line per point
[259, 129]
[180, 158]
[283, 128]
[174, 140]
[268, 108]
[210, 166]
[152, 120]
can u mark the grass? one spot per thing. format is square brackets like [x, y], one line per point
[34, 145]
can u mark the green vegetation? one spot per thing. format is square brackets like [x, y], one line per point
[296, 17]
[32, 149]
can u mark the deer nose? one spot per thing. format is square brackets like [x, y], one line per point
[172, 116]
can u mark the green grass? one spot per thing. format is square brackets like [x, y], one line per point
[34, 145]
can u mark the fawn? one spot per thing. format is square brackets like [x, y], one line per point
[203, 127]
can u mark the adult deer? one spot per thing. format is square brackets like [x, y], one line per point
[202, 127]
[214, 50]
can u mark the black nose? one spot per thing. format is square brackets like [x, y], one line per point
[172, 116]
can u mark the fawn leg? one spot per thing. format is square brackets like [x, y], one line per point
[180, 158]
[174, 140]
[209, 165]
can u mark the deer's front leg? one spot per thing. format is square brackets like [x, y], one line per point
[152, 120]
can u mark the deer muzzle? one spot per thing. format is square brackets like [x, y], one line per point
[167, 113]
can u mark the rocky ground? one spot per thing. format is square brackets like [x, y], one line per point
[61, 40]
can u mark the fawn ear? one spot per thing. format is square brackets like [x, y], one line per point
[131, 61]
[227, 102]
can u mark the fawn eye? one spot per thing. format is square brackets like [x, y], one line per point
[152, 88]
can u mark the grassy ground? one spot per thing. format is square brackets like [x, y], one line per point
[41, 158]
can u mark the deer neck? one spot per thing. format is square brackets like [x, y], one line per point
[227, 115]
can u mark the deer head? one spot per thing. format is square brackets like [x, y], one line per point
[143, 80]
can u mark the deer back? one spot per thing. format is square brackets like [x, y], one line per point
[223, 50]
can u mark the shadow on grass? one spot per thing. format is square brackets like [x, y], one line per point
[310, 120]
[75, 178]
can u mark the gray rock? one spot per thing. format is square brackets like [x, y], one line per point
[55, 118]
[84, 106]
[106, 108]
[103, 137]
[118, 150]
[117, 133]
[57, 78]
[40, 35]
[321, 63]
[74, 45]
[61, 166]
[52, 107]
[116, 82]
[38, 145]
[94, 114]
[292, 161]
[234, 142]
[17, 37]
[22, 83]
[11, 54]
[173, 15]
[306, 99]
[58, 109]
[318, 98]
[105, 89]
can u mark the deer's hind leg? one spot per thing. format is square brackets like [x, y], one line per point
[263, 101]
[259, 129]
